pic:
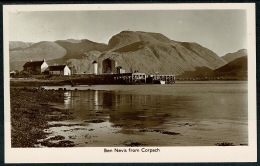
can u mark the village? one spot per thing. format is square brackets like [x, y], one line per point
[110, 72]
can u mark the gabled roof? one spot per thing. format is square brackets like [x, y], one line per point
[33, 64]
[57, 68]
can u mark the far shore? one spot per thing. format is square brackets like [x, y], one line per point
[46, 80]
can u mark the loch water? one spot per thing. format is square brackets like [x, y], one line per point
[183, 114]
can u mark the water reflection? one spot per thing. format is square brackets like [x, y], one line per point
[126, 111]
[67, 99]
[96, 100]
[112, 115]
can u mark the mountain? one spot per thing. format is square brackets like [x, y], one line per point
[15, 45]
[236, 69]
[199, 72]
[153, 52]
[38, 51]
[133, 50]
[77, 48]
[54, 52]
[232, 56]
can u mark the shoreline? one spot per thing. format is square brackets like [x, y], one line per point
[31, 110]
[29, 82]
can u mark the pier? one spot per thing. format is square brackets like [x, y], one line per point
[169, 79]
[132, 78]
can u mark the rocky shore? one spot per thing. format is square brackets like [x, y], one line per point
[31, 110]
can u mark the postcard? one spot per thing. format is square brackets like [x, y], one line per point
[128, 83]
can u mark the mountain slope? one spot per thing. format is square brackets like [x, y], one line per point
[153, 52]
[15, 45]
[76, 48]
[54, 52]
[234, 69]
[143, 51]
[232, 56]
[38, 51]
[128, 37]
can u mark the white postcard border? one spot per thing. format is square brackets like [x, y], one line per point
[166, 154]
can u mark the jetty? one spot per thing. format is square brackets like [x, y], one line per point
[135, 78]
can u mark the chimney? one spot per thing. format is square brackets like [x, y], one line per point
[31, 60]
[95, 65]
[44, 60]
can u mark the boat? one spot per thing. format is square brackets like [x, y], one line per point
[162, 82]
[159, 82]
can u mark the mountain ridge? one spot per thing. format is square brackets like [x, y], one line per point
[232, 56]
[146, 52]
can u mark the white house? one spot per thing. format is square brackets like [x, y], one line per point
[37, 67]
[59, 70]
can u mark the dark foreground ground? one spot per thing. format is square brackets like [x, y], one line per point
[30, 111]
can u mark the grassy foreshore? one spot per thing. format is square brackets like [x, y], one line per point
[45, 80]
[30, 113]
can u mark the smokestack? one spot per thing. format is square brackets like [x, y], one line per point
[95, 65]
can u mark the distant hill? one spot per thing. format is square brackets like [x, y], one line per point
[77, 48]
[133, 50]
[16, 45]
[38, 51]
[234, 69]
[53, 52]
[232, 56]
[199, 72]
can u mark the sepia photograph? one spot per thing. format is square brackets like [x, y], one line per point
[130, 79]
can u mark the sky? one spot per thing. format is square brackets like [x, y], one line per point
[222, 31]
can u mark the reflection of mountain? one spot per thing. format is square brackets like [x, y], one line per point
[127, 111]
[136, 112]
[132, 112]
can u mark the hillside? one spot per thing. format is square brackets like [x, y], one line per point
[199, 72]
[234, 69]
[232, 56]
[15, 45]
[143, 51]
[153, 52]
[54, 52]
[38, 51]
[76, 48]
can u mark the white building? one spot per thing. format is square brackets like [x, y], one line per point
[95, 65]
[59, 70]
